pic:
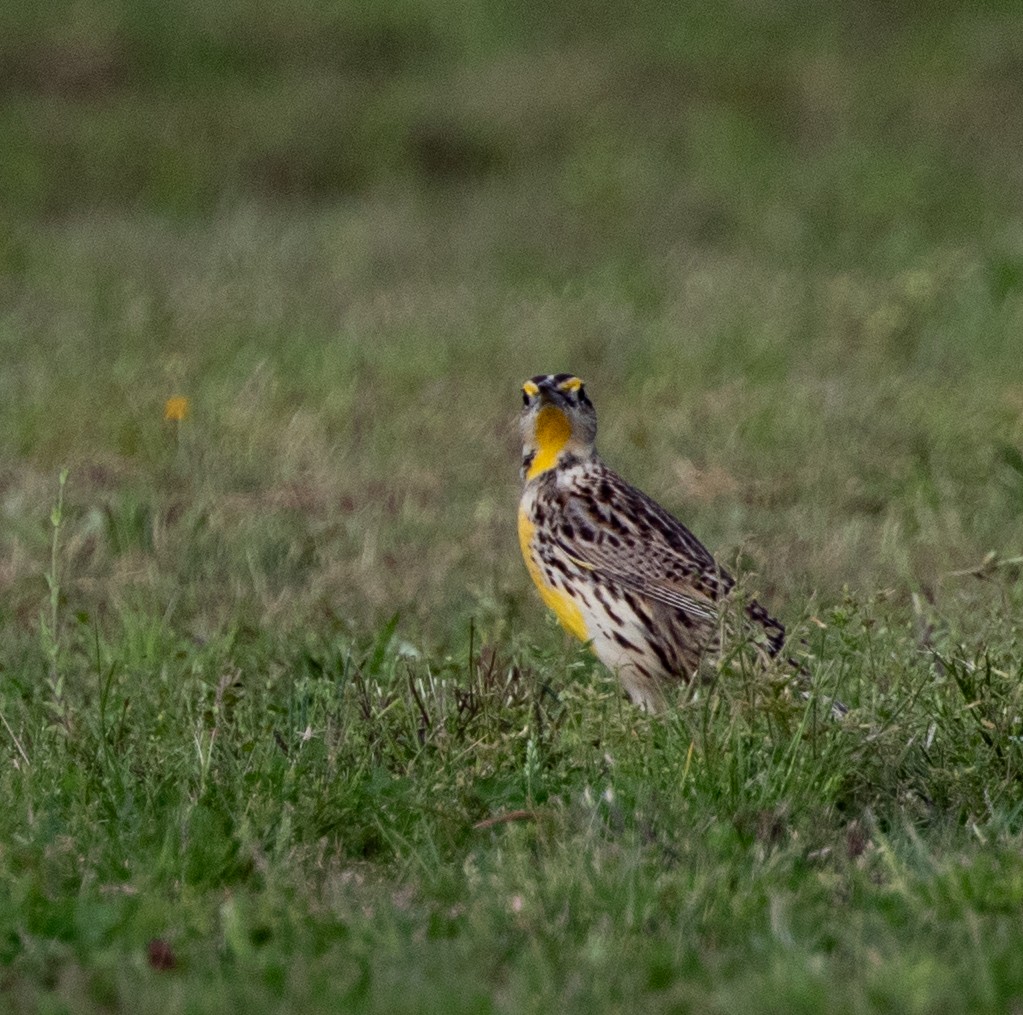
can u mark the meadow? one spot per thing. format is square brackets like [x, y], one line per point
[284, 725]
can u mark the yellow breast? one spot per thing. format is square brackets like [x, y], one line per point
[564, 607]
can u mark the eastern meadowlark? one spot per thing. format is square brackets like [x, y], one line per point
[617, 569]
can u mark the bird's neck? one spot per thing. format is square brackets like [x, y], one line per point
[553, 443]
[551, 435]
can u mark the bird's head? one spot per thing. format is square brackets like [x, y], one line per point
[558, 421]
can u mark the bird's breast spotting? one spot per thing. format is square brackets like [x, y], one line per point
[564, 607]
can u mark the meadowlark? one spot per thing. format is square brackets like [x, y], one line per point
[618, 570]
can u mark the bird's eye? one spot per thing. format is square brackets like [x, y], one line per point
[581, 395]
[525, 398]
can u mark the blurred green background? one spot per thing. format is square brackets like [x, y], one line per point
[281, 709]
[782, 242]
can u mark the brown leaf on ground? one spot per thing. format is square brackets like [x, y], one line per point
[160, 955]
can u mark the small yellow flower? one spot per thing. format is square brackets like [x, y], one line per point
[175, 409]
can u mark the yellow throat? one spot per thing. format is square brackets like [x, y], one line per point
[552, 433]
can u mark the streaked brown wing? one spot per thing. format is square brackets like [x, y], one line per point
[624, 536]
[650, 553]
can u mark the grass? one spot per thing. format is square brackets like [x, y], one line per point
[286, 728]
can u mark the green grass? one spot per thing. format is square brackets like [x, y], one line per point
[281, 712]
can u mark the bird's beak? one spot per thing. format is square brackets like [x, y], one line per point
[548, 394]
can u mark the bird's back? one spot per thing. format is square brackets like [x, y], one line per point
[639, 584]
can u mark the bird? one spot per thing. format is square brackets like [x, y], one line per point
[618, 570]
